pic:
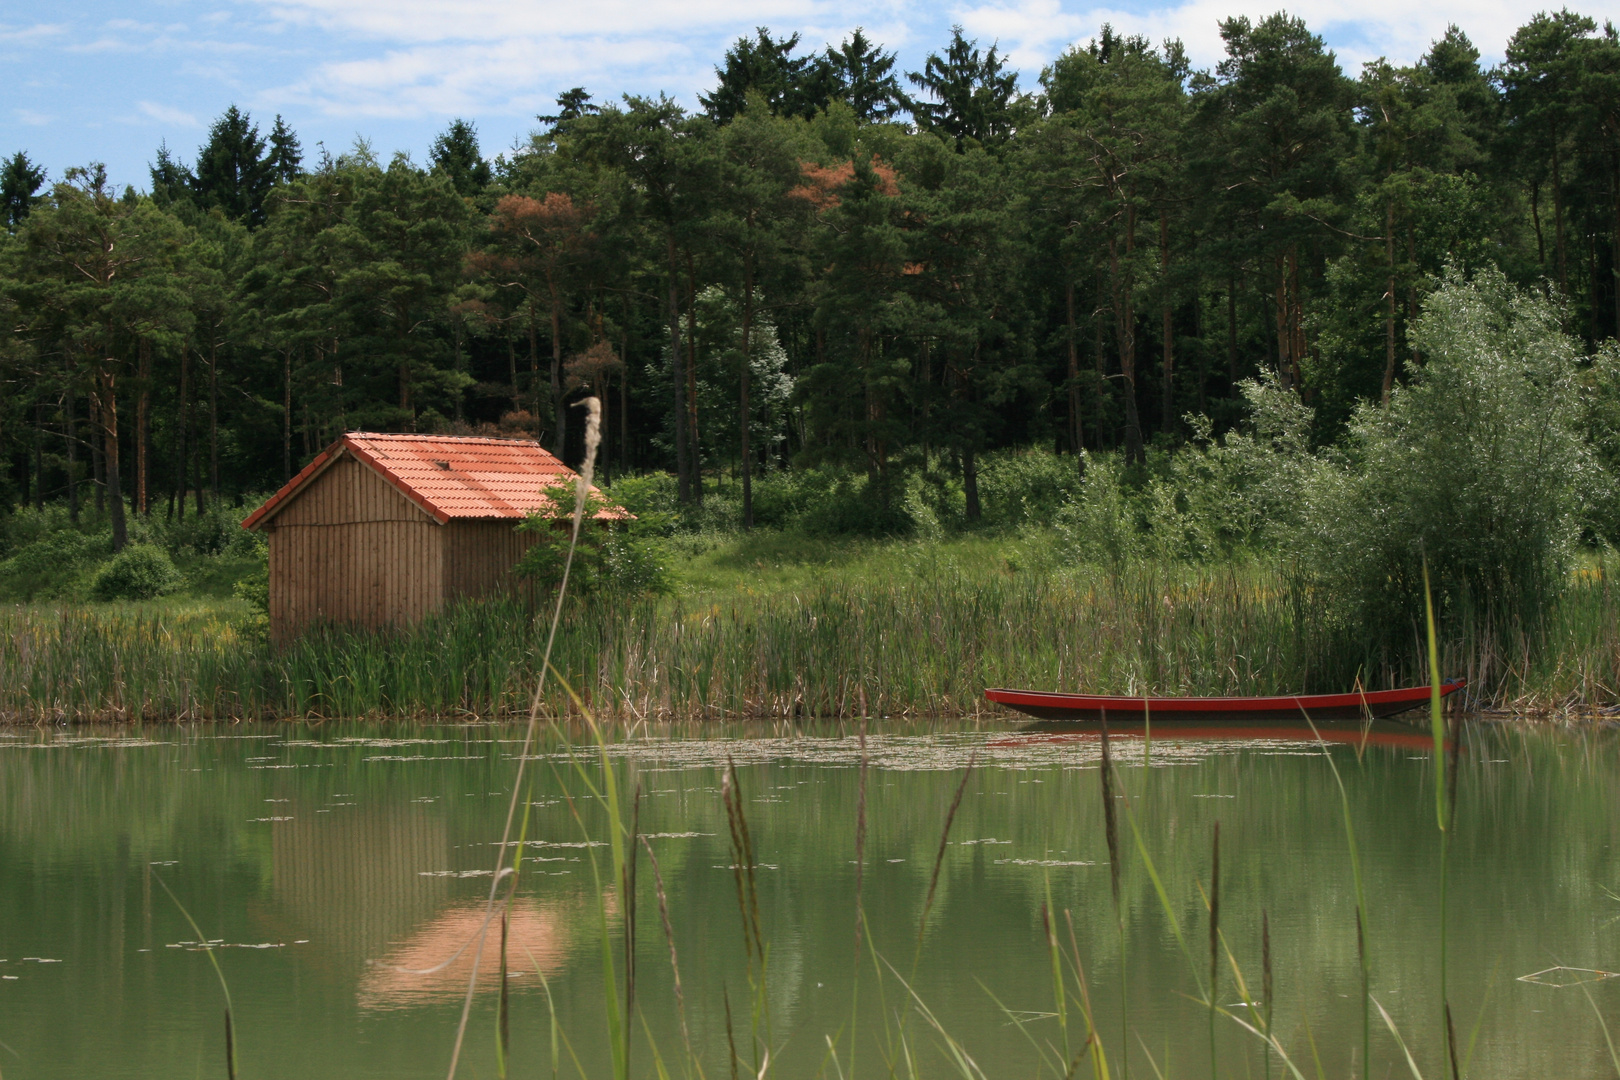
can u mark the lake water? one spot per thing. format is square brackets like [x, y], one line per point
[330, 866]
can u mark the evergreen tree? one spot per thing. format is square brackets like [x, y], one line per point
[789, 85]
[973, 95]
[286, 155]
[455, 154]
[865, 79]
[172, 180]
[571, 105]
[20, 181]
[1541, 81]
[232, 170]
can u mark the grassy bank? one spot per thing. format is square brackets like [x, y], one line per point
[776, 626]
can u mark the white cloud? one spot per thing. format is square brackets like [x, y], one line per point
[433, 21]
[32, 118]
[499, 58]
[165, 114]
[1033, 32]
[30, 35]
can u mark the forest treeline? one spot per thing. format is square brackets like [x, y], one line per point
[832, 263]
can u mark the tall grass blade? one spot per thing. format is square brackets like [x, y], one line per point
[593, 439]
[1399, 1041]
[1266, 981]
[1214, 941]
[939, 856]
[1111, 837]
[224, 988]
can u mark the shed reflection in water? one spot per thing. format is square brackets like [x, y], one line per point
[351, 862]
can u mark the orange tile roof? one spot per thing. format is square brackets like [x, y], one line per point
[451, 477]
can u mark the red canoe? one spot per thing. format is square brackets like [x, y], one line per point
[1355, 706]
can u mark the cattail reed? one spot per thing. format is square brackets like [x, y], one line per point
[944, 840]
[860, 841]
[1214, 940]
[503, 1014]
[742, 864]
[1266, 985]
[1110, 819]
[628, 890]
[669, 937]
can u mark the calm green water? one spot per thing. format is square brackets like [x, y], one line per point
[329, 863]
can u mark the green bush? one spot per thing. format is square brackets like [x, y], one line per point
[255, 589]
[1018, 487]
[623, 558]
[56, 565]
[1478, 468]
[139, 572]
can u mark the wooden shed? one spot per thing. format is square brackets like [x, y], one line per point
[383, 529]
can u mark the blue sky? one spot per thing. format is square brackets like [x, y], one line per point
[98, 80]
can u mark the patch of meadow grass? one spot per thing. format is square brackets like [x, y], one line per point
[795, 628]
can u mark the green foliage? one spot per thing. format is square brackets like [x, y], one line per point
[1601, 417]
[1478, 467]
[139, 572]
[255, 590]
[57, 564]
[1020, 487]
[613, 558]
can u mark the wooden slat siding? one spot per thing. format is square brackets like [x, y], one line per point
[479, 556]
[351, 548]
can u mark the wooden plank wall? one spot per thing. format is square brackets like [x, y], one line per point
[351, 548]
[479, 556]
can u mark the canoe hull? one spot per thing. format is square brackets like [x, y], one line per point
[1377, 704]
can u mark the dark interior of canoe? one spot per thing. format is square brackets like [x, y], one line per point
[1375, 704]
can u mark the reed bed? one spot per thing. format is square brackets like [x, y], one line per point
[920, 642]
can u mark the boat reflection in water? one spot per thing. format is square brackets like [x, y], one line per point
[1385, 733]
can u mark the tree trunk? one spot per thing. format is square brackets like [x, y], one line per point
[1284, 337]
[1167, 412]
[511, 373]
[39, 455]
[143, 419]
[1077, 429]
[458, 411]
[1099, 385]
[1535, 219]
[559, 438]
[70, 428]
[213, 424]
[624, 396]
[1558, 217]
[182, 424]
[286, 416]
[1125, 330]
[1614, 250]
[98, 454]
[691, 379]
[109, 453]
[683, 476]
[742, 397]
[534, 371]
[970, 483]
[1389, 307]
[1231, 329]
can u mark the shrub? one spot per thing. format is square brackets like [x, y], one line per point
[255, 589]
[139, 572]
[625, 558]
[1026, 486]
[55, 565]
[1478, 467]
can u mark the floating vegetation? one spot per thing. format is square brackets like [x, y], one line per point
[1567, 976]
